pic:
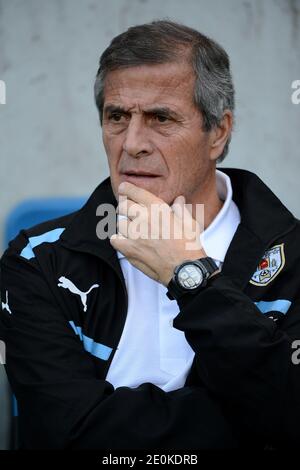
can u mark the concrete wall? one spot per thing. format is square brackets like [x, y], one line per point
[50, 141]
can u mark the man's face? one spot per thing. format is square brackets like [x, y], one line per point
[152, 131]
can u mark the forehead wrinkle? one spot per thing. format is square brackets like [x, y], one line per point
[144, 102]
[134, 92]
[164, 85]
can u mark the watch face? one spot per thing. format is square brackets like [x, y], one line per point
[190, 276]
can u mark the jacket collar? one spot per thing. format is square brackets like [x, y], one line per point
[263, 219]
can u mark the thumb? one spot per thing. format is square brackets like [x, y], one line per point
[184, 212]
[181, 209]
[178, 206]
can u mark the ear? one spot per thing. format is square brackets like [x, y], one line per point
[219, 135]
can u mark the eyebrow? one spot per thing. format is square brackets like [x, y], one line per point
[162, 110]
[110, 108]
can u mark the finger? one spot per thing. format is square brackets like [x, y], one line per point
[116, 237]
[122, 244]
[129, 208]
[184, 211]
[178, 206]
[123, 227]
[137, 194]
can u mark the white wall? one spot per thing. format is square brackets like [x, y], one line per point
[49, 51]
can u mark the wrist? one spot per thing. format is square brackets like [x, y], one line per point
[191, 276]
[167, 276]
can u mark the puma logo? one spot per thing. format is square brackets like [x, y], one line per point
[5, 306]
[67, 284]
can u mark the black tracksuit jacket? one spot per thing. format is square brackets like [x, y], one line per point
[243, 389]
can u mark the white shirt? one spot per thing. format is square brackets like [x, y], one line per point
[150, 348]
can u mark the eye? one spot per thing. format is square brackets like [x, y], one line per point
[116, 117]
[161, 118]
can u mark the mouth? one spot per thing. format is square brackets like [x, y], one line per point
[135, 176]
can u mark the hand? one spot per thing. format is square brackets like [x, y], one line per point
[142, 234]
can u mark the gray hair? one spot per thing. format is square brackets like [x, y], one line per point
[165, 41]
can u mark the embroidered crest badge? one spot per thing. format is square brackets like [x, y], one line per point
[270, 266]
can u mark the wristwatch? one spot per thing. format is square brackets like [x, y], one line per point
[190, 276]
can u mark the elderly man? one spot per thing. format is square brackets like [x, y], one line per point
[183, 342]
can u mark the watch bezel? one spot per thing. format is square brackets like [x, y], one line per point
[193, 263]
[176, 290]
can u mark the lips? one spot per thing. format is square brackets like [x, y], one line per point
[139, 178]
[140, 173]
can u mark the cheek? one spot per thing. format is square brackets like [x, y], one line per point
[113, 148]
[187, 160]
[192, 152]
[179, 155]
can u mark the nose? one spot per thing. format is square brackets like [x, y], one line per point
[136, 143]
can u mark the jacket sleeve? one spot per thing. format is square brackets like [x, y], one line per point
[245, 360]
[62, 403]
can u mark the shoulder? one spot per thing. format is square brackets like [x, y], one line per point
[43, 233]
